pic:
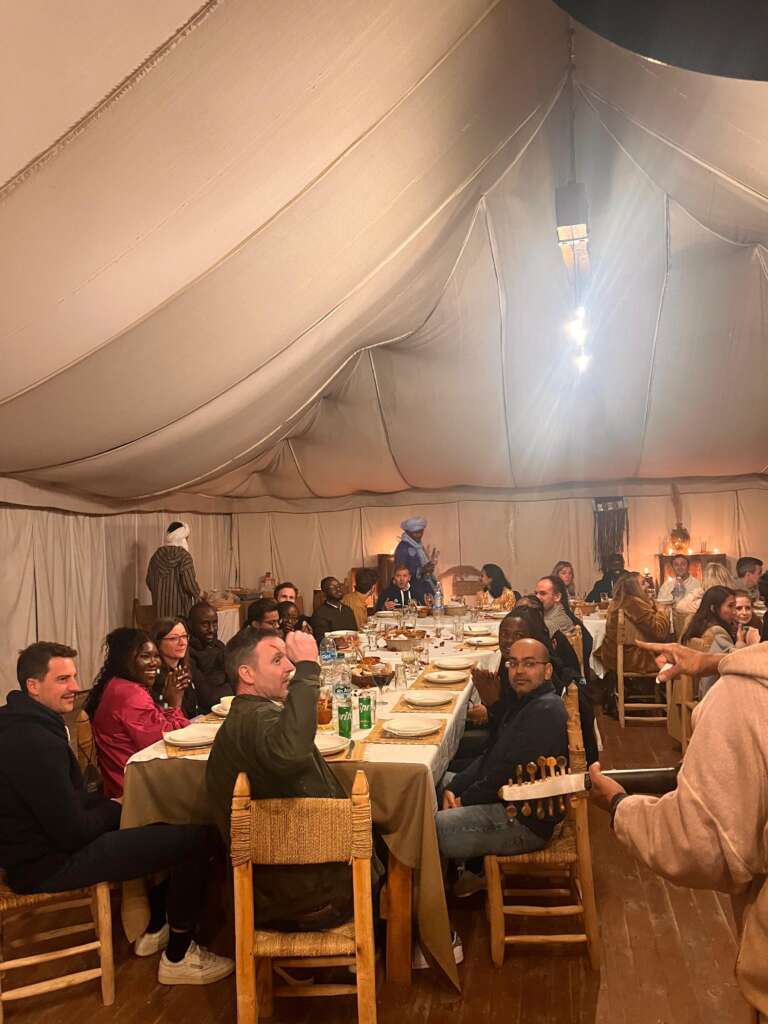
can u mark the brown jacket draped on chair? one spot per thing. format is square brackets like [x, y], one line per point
[646, 622]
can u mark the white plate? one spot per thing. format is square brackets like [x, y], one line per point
[330, 743]
[427, 698]
[496, 615]
[447, 676]
[342, 632]
[455, 661]
[482, 641]
[221, 709]
[409, 726]
[386, 614]
[476, 629]
[200, 734]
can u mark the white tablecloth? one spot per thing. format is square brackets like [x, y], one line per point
[596, 627]
[432, 756]
[229, 623]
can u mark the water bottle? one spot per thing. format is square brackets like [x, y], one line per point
[678, 591]
[437, 606]
[327, 651]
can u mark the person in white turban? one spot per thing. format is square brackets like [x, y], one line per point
[412, 554]
[171, 575]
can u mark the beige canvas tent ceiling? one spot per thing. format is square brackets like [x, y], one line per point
[308, 249]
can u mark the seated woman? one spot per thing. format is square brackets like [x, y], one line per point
[748, 624]
[497, 593]
[645, 620]
[124, 715]
[171, 637]
[291, 619]
[713, 575]
[564, 570]
[714, 625]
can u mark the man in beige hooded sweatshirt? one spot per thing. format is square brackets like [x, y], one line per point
[712, 831]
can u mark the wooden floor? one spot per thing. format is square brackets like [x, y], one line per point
[668, 957]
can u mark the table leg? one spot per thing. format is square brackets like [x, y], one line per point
[399, 918]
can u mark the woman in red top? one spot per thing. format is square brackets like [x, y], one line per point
[125, 717]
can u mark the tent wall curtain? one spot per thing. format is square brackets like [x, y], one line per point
[74, 577]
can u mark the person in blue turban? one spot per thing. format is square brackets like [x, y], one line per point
[412, 554]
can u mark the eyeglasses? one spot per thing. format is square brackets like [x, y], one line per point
[527, 663]
[178, 638]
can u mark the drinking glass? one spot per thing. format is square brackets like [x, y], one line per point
[324, 707]
[409, 660]
[400, 682]
[458, 631]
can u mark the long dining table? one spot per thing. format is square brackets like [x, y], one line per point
[402, 778]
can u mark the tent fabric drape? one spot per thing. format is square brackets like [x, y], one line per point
[333, 270]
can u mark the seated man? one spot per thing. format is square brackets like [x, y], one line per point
[263, 614]
[206, 657]
[54, 837]
[680, 583]
[270, 734]
[473, 821]
[614, 567]
[402, 590]
[286, 592]
[365, 581]
[748, 571]
[332, 615]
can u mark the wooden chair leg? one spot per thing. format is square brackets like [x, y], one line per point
[365, 952]
[103, 922]
[620, 688]
[264, 995]
[245, 969]
[587, 883]
[495, 902]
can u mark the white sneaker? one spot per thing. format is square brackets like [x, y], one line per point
[419, 962]
[151, 942]
[199, 967]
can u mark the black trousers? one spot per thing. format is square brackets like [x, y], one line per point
[184, 850]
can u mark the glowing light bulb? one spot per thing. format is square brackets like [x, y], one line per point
[582, 361]
[716, 551]
[690, 551]
[577, 331]
[580, 313]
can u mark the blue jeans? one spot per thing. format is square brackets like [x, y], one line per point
[480, 829]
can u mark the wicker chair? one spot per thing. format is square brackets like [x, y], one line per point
[302, 831]
[567, 861]
[623, 639]
[13, 906]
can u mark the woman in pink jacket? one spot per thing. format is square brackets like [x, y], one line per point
[124, 715]
[712, 831]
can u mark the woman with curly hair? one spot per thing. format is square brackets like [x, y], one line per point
[124, 714]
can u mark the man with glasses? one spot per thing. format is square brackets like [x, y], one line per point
[473, 821]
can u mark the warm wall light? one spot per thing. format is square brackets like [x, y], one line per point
[716, 551]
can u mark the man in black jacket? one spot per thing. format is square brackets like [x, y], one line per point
[402, 590]
[54, 837]
[269, 733]
[473, 821]
[332, 615]
[206, 656]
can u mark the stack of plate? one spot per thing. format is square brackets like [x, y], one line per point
[482, 641]
[411, 726]
[455, 661]
[447, 676]
[330, 743]
[199, 734]
[427, 698]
